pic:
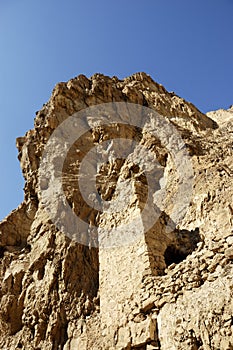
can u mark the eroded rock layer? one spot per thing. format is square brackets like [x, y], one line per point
[165, 289]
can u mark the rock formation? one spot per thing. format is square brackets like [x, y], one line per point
[154, 271]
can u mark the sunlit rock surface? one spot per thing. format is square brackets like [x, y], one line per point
[169, 288]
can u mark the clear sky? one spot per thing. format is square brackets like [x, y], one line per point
[185, 45]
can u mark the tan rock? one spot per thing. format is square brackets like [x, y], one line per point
[229, 253]
[61, 291]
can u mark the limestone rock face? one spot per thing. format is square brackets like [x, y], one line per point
[154, 269]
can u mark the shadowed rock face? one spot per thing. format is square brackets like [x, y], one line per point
[171, 287]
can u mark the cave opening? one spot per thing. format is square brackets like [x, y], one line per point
[173, 255]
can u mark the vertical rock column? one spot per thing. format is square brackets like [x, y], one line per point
[124, 260]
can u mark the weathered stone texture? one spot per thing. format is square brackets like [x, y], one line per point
[164, 290]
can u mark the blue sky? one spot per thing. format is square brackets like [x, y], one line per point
[185, 45]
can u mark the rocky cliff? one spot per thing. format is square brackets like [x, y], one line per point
[124, 238]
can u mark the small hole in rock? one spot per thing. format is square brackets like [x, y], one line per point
[1, 252]
[173, 255]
